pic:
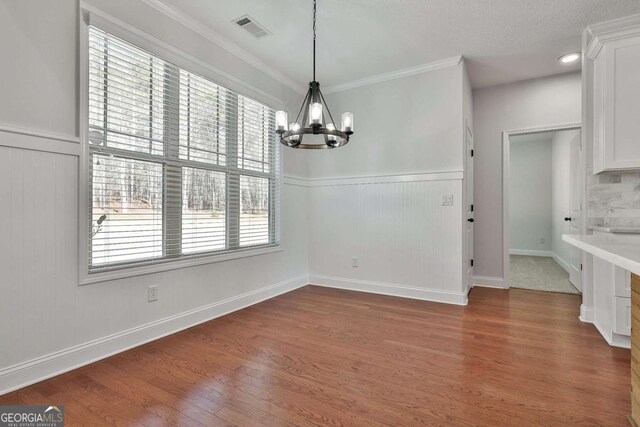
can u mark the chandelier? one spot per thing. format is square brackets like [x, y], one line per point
[314, 117]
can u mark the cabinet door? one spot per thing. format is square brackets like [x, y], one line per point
[622, 282]
[623, 316]
[621, 104]
[604, 306]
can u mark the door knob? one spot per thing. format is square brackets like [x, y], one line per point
[567, 218]
[470, 219]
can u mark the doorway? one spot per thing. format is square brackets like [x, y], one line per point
[541, 203]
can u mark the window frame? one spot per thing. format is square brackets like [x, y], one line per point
[89, 15]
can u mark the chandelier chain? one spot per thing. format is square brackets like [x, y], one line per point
[314, 40]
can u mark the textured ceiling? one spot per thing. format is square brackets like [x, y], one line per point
[503, 40]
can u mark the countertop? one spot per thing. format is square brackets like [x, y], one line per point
[623, 254]
[621, 230]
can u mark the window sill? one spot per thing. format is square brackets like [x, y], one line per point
[89, 278]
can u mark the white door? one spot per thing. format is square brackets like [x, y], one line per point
[573, 227]
[469, 206]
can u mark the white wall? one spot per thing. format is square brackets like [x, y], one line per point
[561, 193]
[47, 322]
[379, 198]
[530, 188]
[402, 126]
[534, 103]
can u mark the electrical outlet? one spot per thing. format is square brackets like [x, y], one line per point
[152, 293]
[542, 240]
[354, 262]
[447, 200]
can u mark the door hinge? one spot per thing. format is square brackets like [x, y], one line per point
[471, 153]
[471, 262]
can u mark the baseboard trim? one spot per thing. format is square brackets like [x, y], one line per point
[621, 341]
[613, 339]
[489, 282]
[562, 262]
[586, 314]
[41, 368]
[433, 295]
[530, 252]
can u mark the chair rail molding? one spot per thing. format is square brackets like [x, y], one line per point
[38, 140]
[373, 179]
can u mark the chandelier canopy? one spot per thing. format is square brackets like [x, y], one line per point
[314, 117]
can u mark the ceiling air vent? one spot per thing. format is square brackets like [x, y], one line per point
[253, 27]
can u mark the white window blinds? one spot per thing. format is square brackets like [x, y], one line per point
[178, 165]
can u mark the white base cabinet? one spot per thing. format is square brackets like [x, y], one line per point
[612, 302]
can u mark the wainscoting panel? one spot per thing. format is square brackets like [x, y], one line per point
[50, 324]
[393, 233]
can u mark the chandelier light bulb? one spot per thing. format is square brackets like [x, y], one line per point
[315, 114]
[347, 122]
[295, 127]
[281, 120]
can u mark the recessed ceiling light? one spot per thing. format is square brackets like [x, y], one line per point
[569, 58]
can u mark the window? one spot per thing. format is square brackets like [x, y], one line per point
[178, 165]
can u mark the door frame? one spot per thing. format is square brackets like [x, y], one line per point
[467, 211]
[506, 136]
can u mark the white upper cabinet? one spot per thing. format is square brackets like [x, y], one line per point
[615, 50]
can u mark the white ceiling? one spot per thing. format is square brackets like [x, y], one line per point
[502, 40]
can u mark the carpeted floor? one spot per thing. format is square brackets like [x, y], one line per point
[539, 274]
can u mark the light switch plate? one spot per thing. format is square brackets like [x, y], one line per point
[447, 200]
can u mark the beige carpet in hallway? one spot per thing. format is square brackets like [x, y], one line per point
[539, 274]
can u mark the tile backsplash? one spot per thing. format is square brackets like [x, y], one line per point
[614, 199]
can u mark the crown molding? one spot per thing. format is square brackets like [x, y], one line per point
[130, 33]
[397, 74]
[224, 43]
[593, 48]
[609, 31]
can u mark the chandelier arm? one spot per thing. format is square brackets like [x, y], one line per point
[286, 135]
[304, 102]
[305, 115]
[310, 131]
[327, 106]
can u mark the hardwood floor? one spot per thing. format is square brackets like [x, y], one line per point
[319, 356]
